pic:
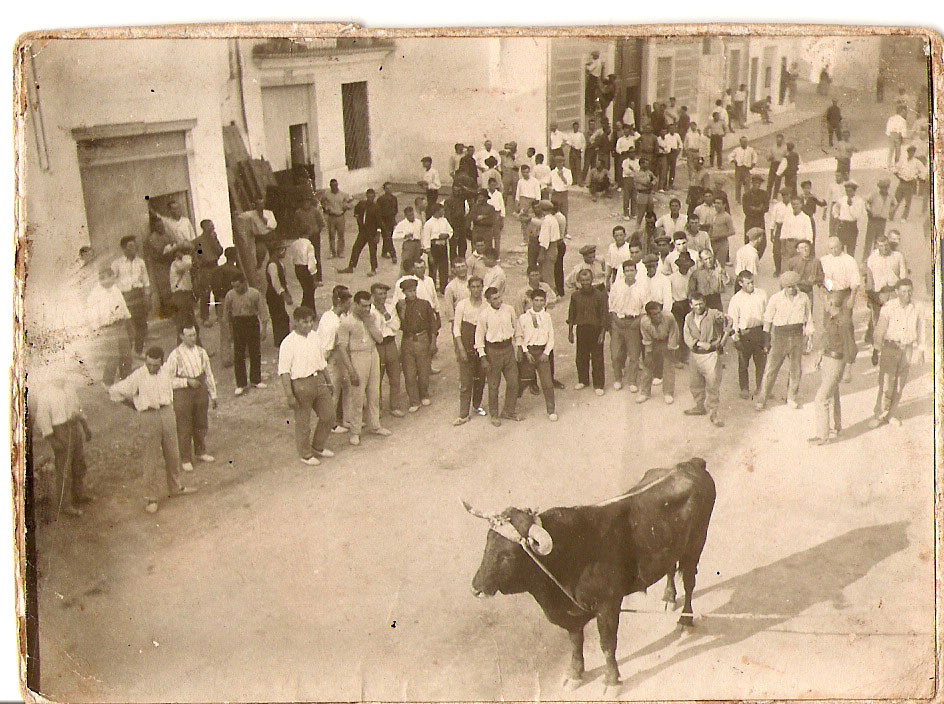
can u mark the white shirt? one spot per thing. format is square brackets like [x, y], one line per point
[657, 288]
[436, 230]
[743, 156]
[105, 306]
[431, 179]
[388, 327]
[840, 272]
[615, 256]
[300, 357]
[301, 252]
[625, 300]
[630, 167]
[624, 143]
[673, 140]
[557, 139]
[746, 310]
[909, 169]
[497, 201]
[835, 194]
[182, 229]
[481, 155]
[746, 259]
[886, 271]
[130, 273]
[327, 332]
[796, 226]
[561, 180]
[550, 231]
[406, 230]
[896, 125]
[779, 212]
[629, 117]
[528, 188]
[542, 172]
[467, 311]
[536, 329]
[903, 322]
[672, 226]
[576, 140]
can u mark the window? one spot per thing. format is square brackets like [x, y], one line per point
[767, 77]
[298, 144]
[356, 125]
[663, 78]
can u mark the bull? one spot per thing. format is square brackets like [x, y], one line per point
[579, 562]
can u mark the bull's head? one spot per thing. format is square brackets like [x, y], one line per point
[504, 565]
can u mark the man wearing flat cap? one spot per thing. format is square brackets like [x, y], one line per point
[420, 326]
[787, 319]
[879, 207]
[851, 217]
[755, 204]
[589, 261]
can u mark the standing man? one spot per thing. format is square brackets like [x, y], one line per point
[756, 202]
[112, 329]
[222, 283]
[909, 171]
[721, 232]
[897, 332]
[385, 317]
[420, 326]
[588, 315]
[672, 142]
[841, 274]
[678, 282]
[277, 293]
[301, 256]
[430, 182]
[705, 332]
[194, 386]
[740, 105]
[626, 303]
[495, 334]
[408, 235]
[797, 227]
[368, 229]
[358, 337]
[715, 131]
[747, 257]
[787, 319]
[548, 243]
[328, 338]
[577, 144]
[306, 386]
[778, 214]
[310, 223]
[471, 374]
[838, 351]
[744, 159]
[883, 270]
[833, 121]
[777, 153]
[245, 314]
[660, 342]
[436, 235]
[387, 209]
[793, 168]
[181, 284]
[527, 194]
[176, 224]
[746, 312]
[132, 280]
[206, 256]
[851, 217]
[456, 210]
[149, 391]
[561, 181]
[879, 207]
[509, 171]
[536, 339]
[457, 288]
[61, 422]
[337, 203]
[555, 141]
[896, 129]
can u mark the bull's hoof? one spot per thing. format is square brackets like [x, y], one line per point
[571, 682]
[687, 620]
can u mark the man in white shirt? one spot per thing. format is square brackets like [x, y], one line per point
[527, 193]
[484, 153]
[744, 159]
[576, 143]
[305, 383]
[495, 335]
[629, 115]
[536, 340]
[851, 216]
[747, 257]
[133, 282]
[542, 172]
[778, 215]
[176, 224]
[430, 182]
[746, 312]
[561, 179]
[797, 227]
[626, 304]
[616, 254]
[841, 272]
[408, 237]
[884, 268]
[674, 220]
[327, 335]
[555, 141]
[387, 321]
[787, 319]
[301, 256]
[110, 322]
[672, 142]
[909, 170]
[194, 386]
[896, 129]
[626, 141]
[436, 234]
[497, 200]
[654, 285]
[898, 331]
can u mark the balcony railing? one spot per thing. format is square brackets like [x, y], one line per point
[284, 47]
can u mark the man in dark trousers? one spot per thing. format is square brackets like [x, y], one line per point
[387, 208]
[833, 120]
[310, 223]
[367, 217]
[420, 326]
[457, 211]
[755, 204]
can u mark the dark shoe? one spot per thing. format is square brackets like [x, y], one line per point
[346, 270]
[557, 384]
[696, 411]
[533, 388]
[874, 358]
[393, 258]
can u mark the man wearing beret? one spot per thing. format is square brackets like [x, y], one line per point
[590, 261]
[787, 319]
[420, 326]
[851, 217]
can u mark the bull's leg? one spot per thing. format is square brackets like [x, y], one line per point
[669, 595]
[575, 672]
[607, 625]
[688, 582]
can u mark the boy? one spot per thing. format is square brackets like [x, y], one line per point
[536, 339]
[495, 335]
[306, 386]
[247, 317]
[588, 316]
[149, 391]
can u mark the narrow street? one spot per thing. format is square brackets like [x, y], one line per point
[351, 581]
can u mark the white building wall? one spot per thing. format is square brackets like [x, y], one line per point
[88, 83]
[852, 62]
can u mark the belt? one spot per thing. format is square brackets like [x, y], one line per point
[896, 344]
[752, 327]
[414, 335]
[789, 329]
[713, 348]
[833, 355]
[388, 339]
[626, 317]
[499, 343]
[320, 372]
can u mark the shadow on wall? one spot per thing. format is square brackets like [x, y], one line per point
[783, 589]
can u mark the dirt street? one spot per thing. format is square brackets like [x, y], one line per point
[352, 580]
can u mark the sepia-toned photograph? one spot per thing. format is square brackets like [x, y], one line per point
[476, 365]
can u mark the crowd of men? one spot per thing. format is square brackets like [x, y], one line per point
[656, 292]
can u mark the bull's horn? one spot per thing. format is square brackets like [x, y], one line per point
[540, 540]
[475, 512]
